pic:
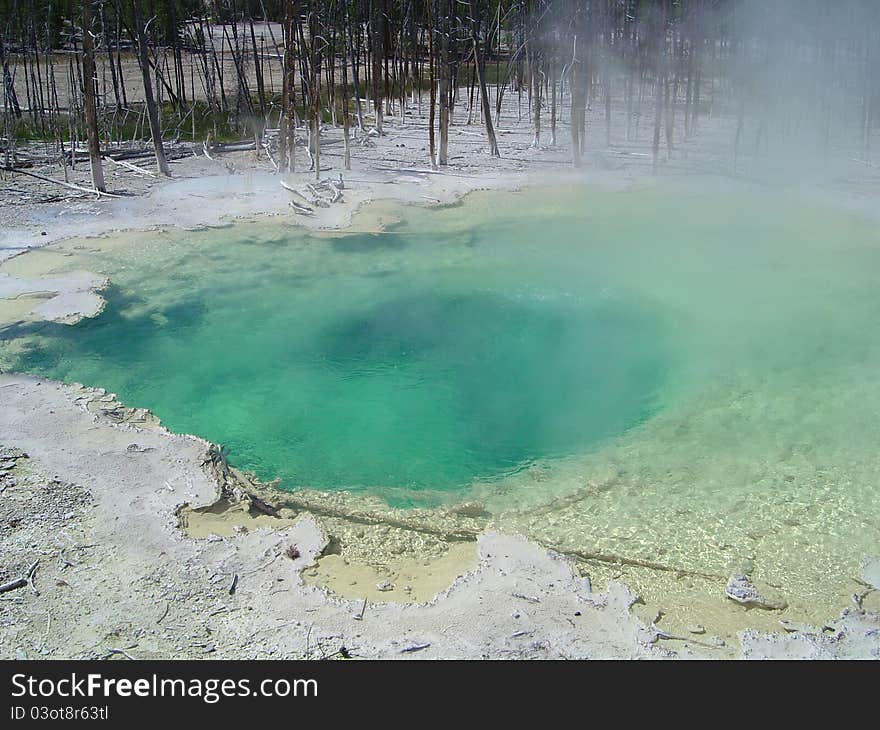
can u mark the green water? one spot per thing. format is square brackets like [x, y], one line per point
[689, 376]
[422, 378]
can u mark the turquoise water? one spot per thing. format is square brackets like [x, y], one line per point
[337, 379]
[396, 362]
[683, 376]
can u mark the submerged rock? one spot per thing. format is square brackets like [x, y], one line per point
[741, 590]
[793, 627]
[470, 509]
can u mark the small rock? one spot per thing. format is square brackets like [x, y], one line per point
[385, 585]
[697, 629]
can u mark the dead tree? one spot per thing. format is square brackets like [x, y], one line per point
[287, 131]
[431, 64]
[444, 28]
[89, 106]
[315, 87]
[660, 89]
[149, 100]
[576, 84]
[481, 80]
[377, 46]
[346, 134]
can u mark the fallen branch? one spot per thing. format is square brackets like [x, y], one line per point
[298, 207]
[79, 188]
[120, 651]
[337, 192]
[129, 166]
[269, 155]
[689, 639]
[615, 559]
[26, 580]
[417, 647]
[242, 146]
[318, 200]
[343, 652]
[291, 189]
[164, 613]
[301, 209]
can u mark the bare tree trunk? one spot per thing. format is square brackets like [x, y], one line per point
[105, 31]
[740, 117]
[659, 87]
[91, 112]
[576, 103]
[119, 63]
[553, 102]
[258, 65]
[659, 82]
[152, 112]
[484, 94]
[346, 134]
[445, 30]
[10, 99]
[377, 46]
[431, 140]
[354, 71]
[606, 89]
[315, 87]
[536, 85]
[287, 125]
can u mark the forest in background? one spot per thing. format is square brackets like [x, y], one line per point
[115, 73]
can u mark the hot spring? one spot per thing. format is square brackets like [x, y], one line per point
[685, 377]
